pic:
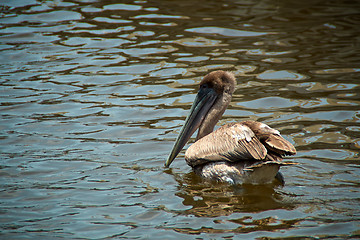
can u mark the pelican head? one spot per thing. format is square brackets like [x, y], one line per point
[211, 101]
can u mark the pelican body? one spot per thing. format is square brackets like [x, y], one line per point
[236, 153]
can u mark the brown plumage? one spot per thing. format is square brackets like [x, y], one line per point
[245, 152]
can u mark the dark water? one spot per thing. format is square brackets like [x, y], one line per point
[93, 94]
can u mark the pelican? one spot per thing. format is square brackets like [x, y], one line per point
[236, 153]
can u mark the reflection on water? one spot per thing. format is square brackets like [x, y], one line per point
[211, 199]
[93, 94]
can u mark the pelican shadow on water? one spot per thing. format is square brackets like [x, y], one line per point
[236, 153]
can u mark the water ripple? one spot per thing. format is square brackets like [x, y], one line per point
[93, 94]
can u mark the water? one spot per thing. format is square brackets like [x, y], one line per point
[93, 94]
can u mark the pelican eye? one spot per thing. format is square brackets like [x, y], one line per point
[204, 85]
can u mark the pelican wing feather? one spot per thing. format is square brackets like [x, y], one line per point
[279, 145]
[271, 138]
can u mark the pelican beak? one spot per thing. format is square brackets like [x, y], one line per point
[205, 98]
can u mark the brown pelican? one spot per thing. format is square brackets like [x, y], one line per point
[244, 152]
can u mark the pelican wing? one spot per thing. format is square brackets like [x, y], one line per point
[279, 145]
[271, 138]
[232, 142]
